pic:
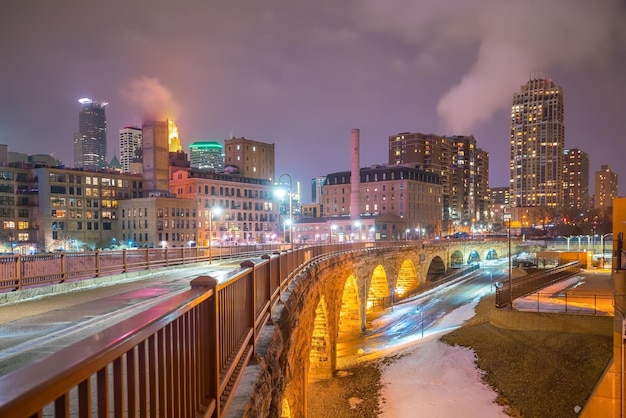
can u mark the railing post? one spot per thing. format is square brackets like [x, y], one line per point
[97, 252]
[63, 267]
[18, 270]
[147, 258]
[167, 260]
[251, 285]
[125, 267]
[210, 342]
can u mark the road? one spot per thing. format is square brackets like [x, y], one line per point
[30, 330]
[411, 318]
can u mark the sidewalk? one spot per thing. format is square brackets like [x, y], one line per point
[588, 292]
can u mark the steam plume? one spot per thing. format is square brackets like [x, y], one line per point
[153, 99]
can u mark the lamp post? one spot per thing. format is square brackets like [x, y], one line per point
[11, 239]
[507, 217]
[212, 210]
[602, 245]
[421, 311]
[290, 209]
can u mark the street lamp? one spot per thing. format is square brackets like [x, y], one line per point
[507, 217]
[602, 245]
[11, 239]
[282, 192]
[421, 311]
[212, 211]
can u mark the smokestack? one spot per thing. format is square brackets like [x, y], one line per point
[355, 177]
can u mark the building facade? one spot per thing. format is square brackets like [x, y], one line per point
[537, 144]
[250, 158]
[90, 142]
[317, 185]
[230, 208]
[208, 155]
[159, 138]
[413, 195]
[576, 179]
[605, 188]
[130, 148]
[157, 221]
[462, 167]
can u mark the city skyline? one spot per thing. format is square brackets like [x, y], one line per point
[302, 76]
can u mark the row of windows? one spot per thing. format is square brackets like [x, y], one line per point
[94, 181]
[89, 191]
[57, 202]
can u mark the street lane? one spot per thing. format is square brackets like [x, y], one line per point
[33, 329]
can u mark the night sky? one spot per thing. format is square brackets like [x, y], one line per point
[302, 74]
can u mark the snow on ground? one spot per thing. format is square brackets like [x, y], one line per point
[432, 379]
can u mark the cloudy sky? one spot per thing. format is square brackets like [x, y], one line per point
[301, 74]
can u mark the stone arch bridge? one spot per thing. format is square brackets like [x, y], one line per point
[331, 296]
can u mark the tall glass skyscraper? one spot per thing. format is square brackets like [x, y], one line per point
[90, 143]
[537, 144]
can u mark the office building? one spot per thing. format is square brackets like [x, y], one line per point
[157, 221]
[317, 185]
[462, 167]
[605, 188]
[230, 208]
[576, 179]
[90, 142]
[249, 158]
[130, 148]
[208, 155]
[413, 195]
[537, 144]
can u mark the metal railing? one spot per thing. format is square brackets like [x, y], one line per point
[525, 285]
[22, 271]
[182, 358]
[600, 304]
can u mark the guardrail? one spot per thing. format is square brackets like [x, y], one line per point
[522, 286]
[181, 358]
[21, 271]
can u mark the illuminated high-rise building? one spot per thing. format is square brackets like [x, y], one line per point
[130, 147]
[462, 167]
[90, 142]
[207, 155]
[605, 188]
[173, 140]
[537, 144]
[576, 179]
[317, 184]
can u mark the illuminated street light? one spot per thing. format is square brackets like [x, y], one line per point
[212, 211]
[602, 245]
[421, 311]
[282, 192]
[507, 217]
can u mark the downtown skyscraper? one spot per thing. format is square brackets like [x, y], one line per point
[130, 147]
[90, 142]
[537, 144]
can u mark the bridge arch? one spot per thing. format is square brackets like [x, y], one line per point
[407, 279]
[436, 269]
[320, 366]
[379, 287]
[329, 297]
